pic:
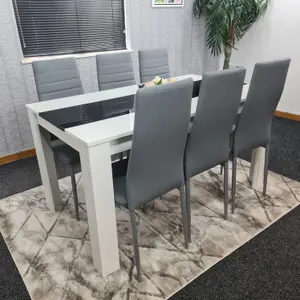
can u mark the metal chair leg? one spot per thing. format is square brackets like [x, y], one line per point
[74, 190]
[188, 208]
[266, 169]
[233, 188]
[226, 190]
[184, 217]
[221, 169]
[135, 246]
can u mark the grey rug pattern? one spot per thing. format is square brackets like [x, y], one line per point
[52, 250]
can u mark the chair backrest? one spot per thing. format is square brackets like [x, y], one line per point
[59, 78]
[114, 71]
[153, 62]
[209, 140]
[266, 87]
[160, 131]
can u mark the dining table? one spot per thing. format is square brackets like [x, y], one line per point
[97, 141]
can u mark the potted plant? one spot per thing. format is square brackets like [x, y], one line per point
[227, 21]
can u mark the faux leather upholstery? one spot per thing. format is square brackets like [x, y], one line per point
[120, 191]
[59, 78]
[254, 126]
[209, 140]
[115, 71]
[66, 154]
[160, 132]
[153, 62]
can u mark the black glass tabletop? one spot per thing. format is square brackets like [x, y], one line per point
[87, 113]
[92, 112]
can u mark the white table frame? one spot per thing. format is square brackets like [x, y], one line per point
[96, 142]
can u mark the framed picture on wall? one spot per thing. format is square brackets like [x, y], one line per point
[167, 3]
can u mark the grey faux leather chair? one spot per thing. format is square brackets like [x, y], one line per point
[155, 165]
[57, 79]
[253, 129]
[208, 144]
[153, 62]
[115, 71]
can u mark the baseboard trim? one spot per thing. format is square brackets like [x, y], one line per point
[287, 115]
[17, 156]
[31, 152]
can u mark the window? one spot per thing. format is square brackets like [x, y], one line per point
[49, 27]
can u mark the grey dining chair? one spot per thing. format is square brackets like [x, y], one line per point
[57, 79]
[152, 63]
[155, 164]
[253, 128]
[208, 144]
[115, 71]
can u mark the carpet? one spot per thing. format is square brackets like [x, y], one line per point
[23, 175]
[52, 251]
[11, 285]
[265, 268]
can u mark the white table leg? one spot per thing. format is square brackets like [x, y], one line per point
[257, 168]
[100, 204]
[41, 138]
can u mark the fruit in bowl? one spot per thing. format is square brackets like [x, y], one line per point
[158, 81]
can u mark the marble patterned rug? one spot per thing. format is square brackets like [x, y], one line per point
[53, 255]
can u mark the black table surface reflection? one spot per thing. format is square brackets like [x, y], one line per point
[87, 113]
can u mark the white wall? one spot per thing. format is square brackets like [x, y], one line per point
[277, 35]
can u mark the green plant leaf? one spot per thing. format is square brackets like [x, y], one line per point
[227, 21]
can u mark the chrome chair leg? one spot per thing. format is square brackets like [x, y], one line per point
[135, 246]
[233, 189]
[74, 190]
[226, 190]
[184, 217]
[188, 208]
[266, 169]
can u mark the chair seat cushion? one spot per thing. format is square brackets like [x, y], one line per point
[119, 174]
[119, 168]
[120, 190]
[70, 156]
[65, 153]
